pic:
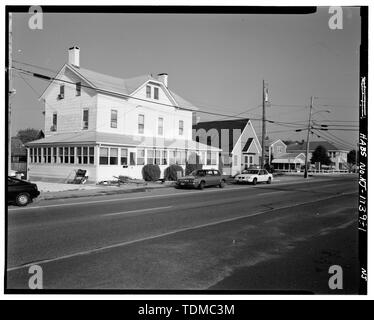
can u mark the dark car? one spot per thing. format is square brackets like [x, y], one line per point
[21, 192]
[202, 178]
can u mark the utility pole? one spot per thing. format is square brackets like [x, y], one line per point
[263, 125]
[10, 93]
[307, 139]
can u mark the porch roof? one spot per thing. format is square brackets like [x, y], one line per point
[290, 158]
[97, 138]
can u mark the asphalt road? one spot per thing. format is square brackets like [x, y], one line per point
[264, 237]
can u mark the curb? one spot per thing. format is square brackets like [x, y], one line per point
[98, 193]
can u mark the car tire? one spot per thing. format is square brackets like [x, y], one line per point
[269, 181]
[254, 182]
[202, 185]
[222, 184]
[23, 199]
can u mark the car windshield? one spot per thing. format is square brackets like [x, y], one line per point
[250, 171]
[198, 173]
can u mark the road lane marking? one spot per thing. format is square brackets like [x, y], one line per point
[243, 187]
[269, 193]
[209, 224]
[133, 211]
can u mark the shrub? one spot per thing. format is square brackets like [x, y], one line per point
[151, 172]
[193, 163]
[171, 172]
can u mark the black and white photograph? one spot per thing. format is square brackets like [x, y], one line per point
[186, 149]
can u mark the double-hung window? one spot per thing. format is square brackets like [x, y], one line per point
[141, 123]
[113, 118]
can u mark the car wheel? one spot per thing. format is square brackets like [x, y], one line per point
[269, 181]
[254, 182]
[222, 184]
[22, 199]
[201, 185]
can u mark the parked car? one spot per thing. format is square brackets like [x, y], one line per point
[254, 176]
[21, 192]
[15, 174]
[202, 178]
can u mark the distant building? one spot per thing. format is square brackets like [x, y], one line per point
[111, 126]
[240, 146]
[18, 155]
[337, 155]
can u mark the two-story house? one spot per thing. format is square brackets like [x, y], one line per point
[237, 139]
[111, 126]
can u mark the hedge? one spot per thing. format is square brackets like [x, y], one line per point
[171, 174]
[151, 172]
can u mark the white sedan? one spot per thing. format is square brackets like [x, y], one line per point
[254, 176]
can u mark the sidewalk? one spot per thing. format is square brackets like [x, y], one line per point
[53, 191]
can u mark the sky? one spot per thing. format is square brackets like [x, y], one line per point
[216, 61]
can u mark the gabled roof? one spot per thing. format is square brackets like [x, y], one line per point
[224, 124]
[247, 144]
[18, 148]
[313, 145]
[93, 137]
[125, 87]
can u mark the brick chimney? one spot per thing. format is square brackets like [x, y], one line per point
[74, 56]
[163, 77]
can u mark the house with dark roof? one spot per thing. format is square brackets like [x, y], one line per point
[237, 139]
[337, 154]
[111, 126]
[18, 155]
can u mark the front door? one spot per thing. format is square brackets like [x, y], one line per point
[246, 162]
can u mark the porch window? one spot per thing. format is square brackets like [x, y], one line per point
[150, 156]
[214, 158]
[31, 155]
[172, 156]
[44, 155]
[113, 160]
[140, 156]
[158, 157]
[61, 155]
[104, 153]
[49, 157]
[91, 155]
[66, 155]
[79, 155]
[85, 155]
[164, 157]
[54, 155]
[71, 154]
[124, 157]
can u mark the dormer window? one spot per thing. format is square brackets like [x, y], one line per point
[155, 93]
[148, 91]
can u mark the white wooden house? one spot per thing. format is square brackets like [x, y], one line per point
[111, 126]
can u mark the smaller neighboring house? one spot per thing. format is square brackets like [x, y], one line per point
[289, 161]
[18, 155]
[337, 154]
[274, 148]
[237, 139]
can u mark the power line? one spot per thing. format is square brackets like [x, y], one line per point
[48, 78]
